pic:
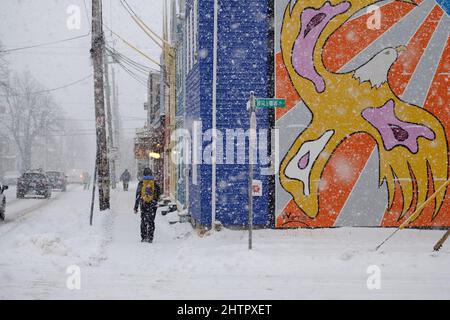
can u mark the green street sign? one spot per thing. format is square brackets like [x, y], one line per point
[270, 103]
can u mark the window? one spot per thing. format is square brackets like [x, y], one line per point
[192, 36]
[195, 30]
[188, 43]
[192, 41]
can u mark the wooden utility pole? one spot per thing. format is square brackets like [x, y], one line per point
[97, 61]
[116, 115]
[112, 151]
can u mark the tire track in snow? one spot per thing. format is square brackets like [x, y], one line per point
[22, 214]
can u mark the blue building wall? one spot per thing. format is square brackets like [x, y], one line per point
[242, 67]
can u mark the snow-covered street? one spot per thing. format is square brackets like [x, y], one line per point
[39, 243]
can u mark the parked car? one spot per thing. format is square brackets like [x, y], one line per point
[75, 176]
[58, 180]
[10, 178]
[2, 202]
[34, 183]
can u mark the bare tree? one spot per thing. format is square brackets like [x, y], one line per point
[4, 70]
[3, 133]
[31, 113]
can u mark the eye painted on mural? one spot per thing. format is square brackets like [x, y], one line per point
[315, 21]
[395, 132]
[301, 164]
[410, 140]
[399, 133]
[304, 161]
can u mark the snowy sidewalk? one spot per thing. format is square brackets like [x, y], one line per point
[285, 264]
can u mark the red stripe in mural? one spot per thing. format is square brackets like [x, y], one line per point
[437, 103]
[407, 62]
[336, 188]
[284, 88]
[361, 144]
[334, 56]
[405, 68]
[348, 41]
[399, 77]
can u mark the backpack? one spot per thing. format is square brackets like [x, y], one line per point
[148, 191]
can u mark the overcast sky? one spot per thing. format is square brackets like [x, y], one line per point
[29, 22]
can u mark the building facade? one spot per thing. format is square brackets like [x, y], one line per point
[149, 141]
[243, 65]
[337, 161]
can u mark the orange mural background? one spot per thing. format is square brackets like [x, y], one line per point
[338, 51]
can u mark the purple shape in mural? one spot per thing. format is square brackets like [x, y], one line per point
[304, 161]
[395, 132]
[313, 23]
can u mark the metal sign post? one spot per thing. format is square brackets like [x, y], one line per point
[252, 105]
[252, 140]
[93, 192]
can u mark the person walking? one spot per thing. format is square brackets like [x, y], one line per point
[147, 195]
[125, 177]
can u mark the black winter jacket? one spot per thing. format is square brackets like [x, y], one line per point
[146, 206]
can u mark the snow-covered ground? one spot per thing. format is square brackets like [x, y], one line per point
[39, 244]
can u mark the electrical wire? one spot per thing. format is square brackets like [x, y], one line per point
[117, 57]
[137, 64]
[143, 77]
[142, 25]
[6, 51]
[133, 75]
[133, 47]
[53, 89]
[87, 14]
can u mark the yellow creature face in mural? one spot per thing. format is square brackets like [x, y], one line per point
[411, 141]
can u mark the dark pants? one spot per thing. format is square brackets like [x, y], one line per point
[125, 186]
[148, 223]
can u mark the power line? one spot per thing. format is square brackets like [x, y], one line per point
[88, 18]
[115, 53]
[53, 89]
[133, 75]
[117, 58]
[92, 120]
[142, 25]
[44, 44]
[133, 47]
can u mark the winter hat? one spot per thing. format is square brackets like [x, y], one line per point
[147, 172]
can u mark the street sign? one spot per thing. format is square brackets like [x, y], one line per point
[270, 103]
[257, 188]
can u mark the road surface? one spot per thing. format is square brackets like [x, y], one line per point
[42, 241]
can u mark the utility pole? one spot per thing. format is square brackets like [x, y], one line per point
[97, 60]
[111, 149]
[116, 115]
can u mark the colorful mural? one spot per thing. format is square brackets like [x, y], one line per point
[366, 130]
